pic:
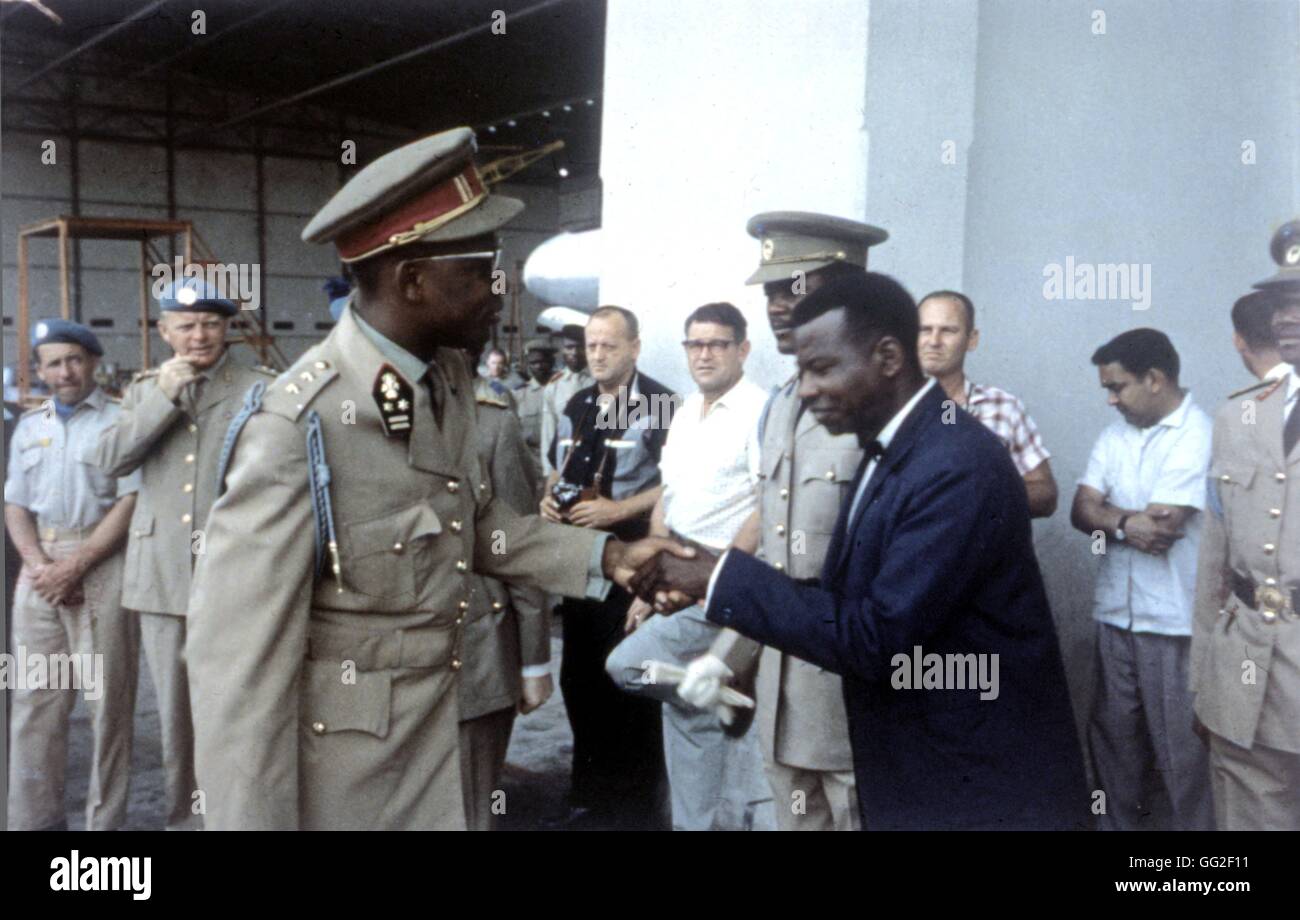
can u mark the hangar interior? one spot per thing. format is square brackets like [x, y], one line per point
[244, 120]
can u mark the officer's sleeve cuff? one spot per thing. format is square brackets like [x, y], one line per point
[597, 584]
[535, 670]
[713, 579]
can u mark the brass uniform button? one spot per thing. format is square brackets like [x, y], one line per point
[1270, 582]
[189, 458]
[1225, 478]
[497, 605]
[1269, 548]
[455, 526]
[318, 727]
[1275, 512]
[1268, 616]
[778, 566]
[463, 605]
[455, 664]
[1280, 477]
[453, 487]
[193, 428]
[399, 547]
[188, 487]
[785, 493]
[186, 518]
[461, 566]
[460, 620]
[780, 530]
[830, 475]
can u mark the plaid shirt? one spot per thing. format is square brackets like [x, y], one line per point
[1005, 416]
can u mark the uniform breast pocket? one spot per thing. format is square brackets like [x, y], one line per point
[825, 476]
[379, 555]
[30, 457]
[1234, 482]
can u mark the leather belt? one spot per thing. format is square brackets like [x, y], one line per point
[49, 534]
[1264, 598]
[425, 647]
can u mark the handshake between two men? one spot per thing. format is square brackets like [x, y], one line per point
[671, 575]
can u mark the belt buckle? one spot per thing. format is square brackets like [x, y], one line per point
[1271, 601]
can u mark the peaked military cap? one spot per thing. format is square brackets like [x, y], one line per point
[427, 191]
[1285, 249]
[194, 295]
[539, 344]
[65, 332]
[800, 241]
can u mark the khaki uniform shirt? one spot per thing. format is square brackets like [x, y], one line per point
[806, 474]
[1246, 657]
[506, 628]
[53, 473]
[324, 701]
[176, 448]
[555, 397]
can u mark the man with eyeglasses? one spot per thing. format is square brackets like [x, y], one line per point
[804, 478]
[710, 467]
[329, 608]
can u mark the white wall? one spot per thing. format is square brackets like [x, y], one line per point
[1117, 147]
[712, 113]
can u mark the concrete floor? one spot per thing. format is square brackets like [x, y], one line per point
[535, 780]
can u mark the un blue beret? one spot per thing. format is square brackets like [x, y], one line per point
[65, 332]
[194, 295]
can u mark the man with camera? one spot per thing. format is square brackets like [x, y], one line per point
[606, 460]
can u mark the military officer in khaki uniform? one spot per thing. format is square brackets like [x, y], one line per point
[171, 429]
[1246, 639]
[539, 361]
[506, 640]
[328, 609]
[69, 523]
[805, 475]
[561, 388]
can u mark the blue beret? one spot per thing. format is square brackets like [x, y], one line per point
[194, 295]
[65, 332]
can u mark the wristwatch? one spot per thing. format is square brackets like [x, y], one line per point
[1119, 529]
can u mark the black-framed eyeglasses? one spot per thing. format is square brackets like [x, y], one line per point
[713, 346]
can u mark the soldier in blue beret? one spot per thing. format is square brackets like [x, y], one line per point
[68, 522]
[171, 430]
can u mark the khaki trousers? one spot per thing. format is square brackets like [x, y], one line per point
[813, 800]
[1256, 789]
[98, 627]
[163, 638]
[483, 744]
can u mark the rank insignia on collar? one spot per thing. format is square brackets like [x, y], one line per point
[394, 397]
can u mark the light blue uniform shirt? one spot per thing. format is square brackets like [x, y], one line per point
[52, 471]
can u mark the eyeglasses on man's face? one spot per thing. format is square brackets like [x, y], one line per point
[713, 346]
[488, 259]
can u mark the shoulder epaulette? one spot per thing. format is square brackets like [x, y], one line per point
[268, 371]
[293, 391]
[145, 374]
[1268, 386]
[37, 410]
[483, 399]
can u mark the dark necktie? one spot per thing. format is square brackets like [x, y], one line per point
[1291, 431]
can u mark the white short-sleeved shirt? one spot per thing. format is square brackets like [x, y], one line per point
[710, 465]
[1134, 467]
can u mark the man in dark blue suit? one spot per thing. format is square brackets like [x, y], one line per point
[931, 604]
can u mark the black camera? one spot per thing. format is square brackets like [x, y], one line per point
[566, 494]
